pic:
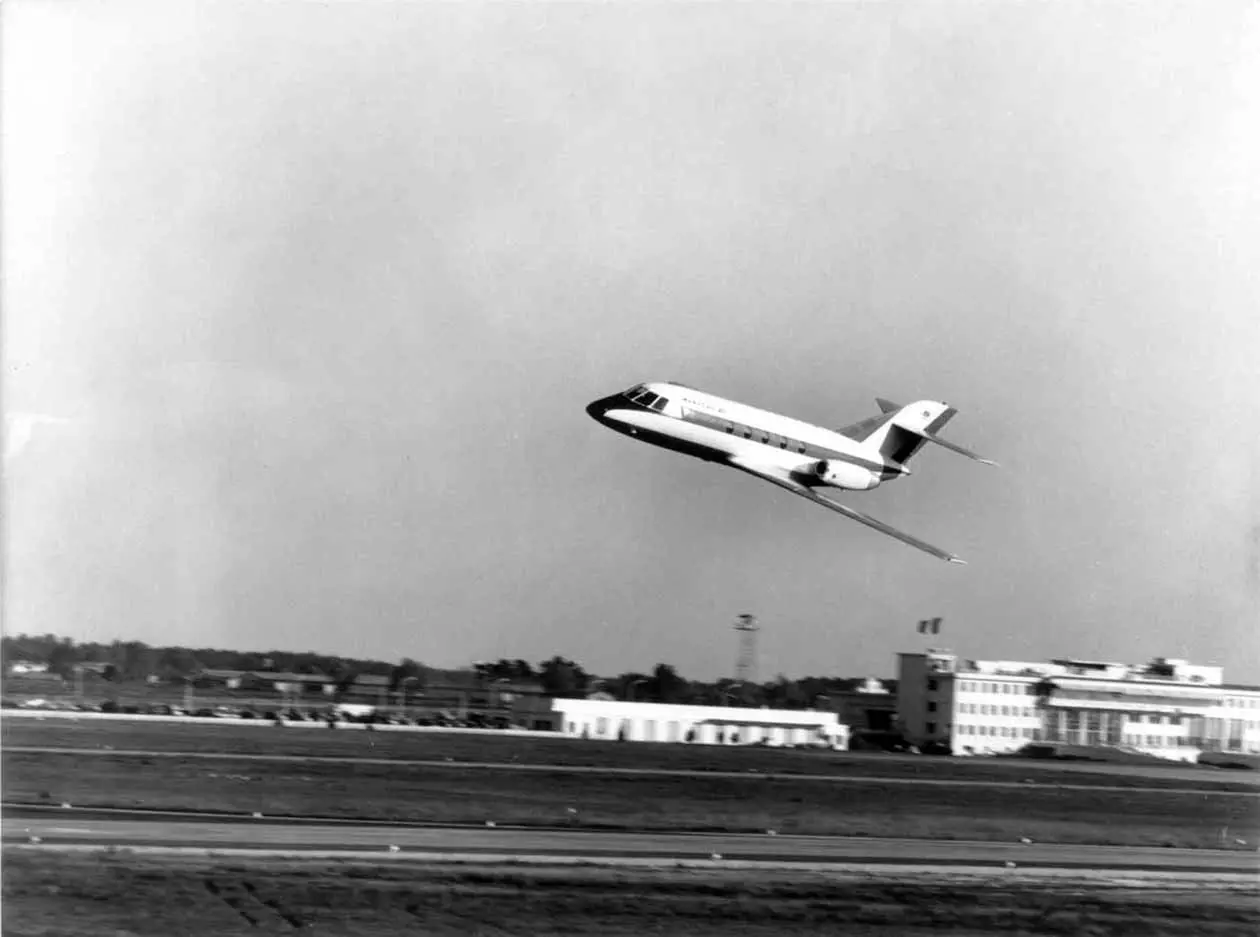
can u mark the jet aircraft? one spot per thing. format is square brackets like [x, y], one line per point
[789, 453]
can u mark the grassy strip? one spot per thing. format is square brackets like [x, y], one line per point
[454, 794]
[235, 738]
[81, 895]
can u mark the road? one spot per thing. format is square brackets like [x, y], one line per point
[73, 827]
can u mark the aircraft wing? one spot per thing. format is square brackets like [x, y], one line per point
[778, 477]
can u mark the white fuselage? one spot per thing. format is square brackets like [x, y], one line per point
[717, 429]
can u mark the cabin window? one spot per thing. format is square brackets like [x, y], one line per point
[783, 443]
[747, 433]
[800, 447]
[730, 427]
[659, 403]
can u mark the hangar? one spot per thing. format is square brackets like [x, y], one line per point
[619, 720]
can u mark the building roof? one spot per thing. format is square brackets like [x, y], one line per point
[766, 723]
[287, 677]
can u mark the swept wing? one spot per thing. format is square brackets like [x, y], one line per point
[783, 480]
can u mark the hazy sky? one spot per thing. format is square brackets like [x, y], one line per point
[323, 288]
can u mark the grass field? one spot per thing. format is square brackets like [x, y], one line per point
[455, 793]
[232, 737]
[82, 895]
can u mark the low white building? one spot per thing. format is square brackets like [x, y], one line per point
[617, 720]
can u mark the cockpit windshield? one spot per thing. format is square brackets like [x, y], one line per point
[641, 395]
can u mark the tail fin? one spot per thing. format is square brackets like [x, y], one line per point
[903, 434]
[863, 429]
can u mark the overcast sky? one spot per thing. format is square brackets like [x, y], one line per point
[323, 288]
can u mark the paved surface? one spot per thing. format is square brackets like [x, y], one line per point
[86, 827]
[607, 770]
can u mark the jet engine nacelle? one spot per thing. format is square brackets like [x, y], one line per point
[845, 475]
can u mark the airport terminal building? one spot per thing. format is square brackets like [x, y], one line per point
[1168, 708]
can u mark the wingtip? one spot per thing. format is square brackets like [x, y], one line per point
[958, 560]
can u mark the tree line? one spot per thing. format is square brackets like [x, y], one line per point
[558, 676]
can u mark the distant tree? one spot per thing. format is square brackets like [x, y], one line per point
[631, 685]
[504, 669]
[343, 674]
[782, 693]
[174, 662]
[563, 678]
[667, 686]
[408, 675]
[62, 658]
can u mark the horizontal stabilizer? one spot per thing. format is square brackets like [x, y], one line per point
[887, 406]
[954, 447]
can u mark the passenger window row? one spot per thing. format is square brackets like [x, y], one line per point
[770, 439]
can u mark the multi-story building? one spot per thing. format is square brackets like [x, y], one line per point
[1169, 708]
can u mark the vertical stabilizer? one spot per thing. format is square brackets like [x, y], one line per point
[900, 437]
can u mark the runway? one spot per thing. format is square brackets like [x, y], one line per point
[52, 828]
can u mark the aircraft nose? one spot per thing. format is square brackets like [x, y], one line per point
[595, 409]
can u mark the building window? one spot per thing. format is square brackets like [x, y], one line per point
[931, 686]
[931, 728]
[932, 707]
